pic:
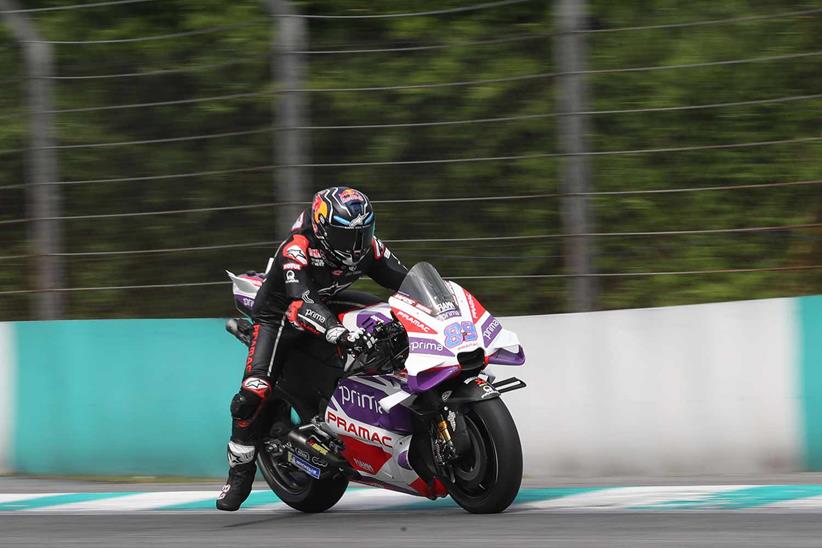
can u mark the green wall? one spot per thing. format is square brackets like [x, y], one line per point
[124, 397]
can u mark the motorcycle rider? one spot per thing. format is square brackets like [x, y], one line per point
[330, 246]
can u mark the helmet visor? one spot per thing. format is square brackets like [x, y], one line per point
[353, 242]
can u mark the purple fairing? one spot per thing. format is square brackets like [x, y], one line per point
[506, 357]
[402, 460]
[428, 379]
[490, 329]
[361, 402]
[430, 347]
[369, 320]
[244, 304]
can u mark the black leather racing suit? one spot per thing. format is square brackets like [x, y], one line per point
[301, 279]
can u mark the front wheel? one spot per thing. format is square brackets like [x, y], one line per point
[488, 476]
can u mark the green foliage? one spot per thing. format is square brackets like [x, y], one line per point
[236, 60]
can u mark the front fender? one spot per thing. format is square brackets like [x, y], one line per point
[472, 389]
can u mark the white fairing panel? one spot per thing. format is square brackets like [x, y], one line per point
[429, 341]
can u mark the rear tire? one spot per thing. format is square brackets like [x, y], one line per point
[299, 490]
[489, 477]
[293, 486]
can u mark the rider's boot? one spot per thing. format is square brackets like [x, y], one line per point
[240, 477]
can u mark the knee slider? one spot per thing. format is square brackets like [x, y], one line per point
[244, 405]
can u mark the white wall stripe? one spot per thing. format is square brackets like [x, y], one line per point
[8, 366]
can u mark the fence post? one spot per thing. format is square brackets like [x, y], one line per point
[291, 184]
[570, 53]
[43, 201]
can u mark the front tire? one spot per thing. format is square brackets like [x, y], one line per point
[489, 475]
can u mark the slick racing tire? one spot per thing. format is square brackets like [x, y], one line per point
[299, 490]
[488, 476]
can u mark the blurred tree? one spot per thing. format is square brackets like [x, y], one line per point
[513, 41]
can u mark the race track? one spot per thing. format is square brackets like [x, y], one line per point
[45, 513]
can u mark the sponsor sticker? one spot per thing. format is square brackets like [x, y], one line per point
[312, 471]
[364, 401]
[290, 277]
[446, 306]
[351, 195]
[362, 465]
[296, 253]
[404, 317]
[312, 443]
[359, 430]
[490, 330]
[412, 302]
[313, 315]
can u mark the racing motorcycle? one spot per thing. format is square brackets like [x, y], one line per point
[416, 413]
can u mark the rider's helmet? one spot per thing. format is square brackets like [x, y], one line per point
[343, 221]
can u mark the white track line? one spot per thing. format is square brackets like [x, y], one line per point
[809, 503]
[14, 497]
[130, 503]
[622, 498]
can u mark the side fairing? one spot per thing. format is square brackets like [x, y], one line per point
[377, 442]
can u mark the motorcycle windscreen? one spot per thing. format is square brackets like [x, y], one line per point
[424, 285]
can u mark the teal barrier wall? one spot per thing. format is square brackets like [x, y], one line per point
[810, 350]
[151, 397]
[124, 397]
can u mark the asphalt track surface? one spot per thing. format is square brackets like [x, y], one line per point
[784, 512]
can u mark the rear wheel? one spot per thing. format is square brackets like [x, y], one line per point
[487, 477]
[293, 486]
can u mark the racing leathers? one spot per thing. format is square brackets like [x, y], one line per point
[301, 280]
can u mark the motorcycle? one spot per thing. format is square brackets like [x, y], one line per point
[416, 413]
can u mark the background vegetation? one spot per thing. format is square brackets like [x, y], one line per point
[236, 60]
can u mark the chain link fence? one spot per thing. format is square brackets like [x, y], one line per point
[172, 123]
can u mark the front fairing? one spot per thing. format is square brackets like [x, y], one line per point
[443, 326]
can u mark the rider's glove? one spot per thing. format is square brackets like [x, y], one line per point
[352, 341]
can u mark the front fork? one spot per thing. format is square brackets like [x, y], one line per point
[445, 449]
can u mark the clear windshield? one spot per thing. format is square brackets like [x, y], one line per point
[425, 285]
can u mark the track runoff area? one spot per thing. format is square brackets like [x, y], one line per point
[784, 498]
